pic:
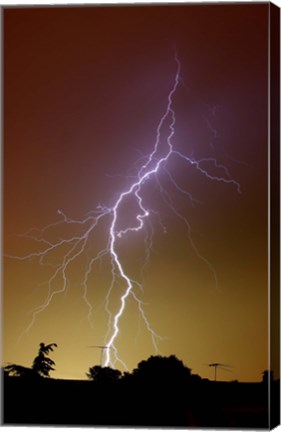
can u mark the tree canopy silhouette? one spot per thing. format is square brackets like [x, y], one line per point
[41, 366]
[103, 374]
[19, 371]
[158, 369]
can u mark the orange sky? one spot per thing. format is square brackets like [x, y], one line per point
[84, 90]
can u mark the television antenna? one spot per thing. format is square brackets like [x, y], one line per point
[102, 349]
[220, 366]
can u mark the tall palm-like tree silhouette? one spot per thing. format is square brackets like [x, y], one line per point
[41, 366]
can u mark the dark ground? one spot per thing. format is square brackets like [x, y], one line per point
[47, 401]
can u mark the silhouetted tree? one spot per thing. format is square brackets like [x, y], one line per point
[42, 365]
[19, 371]
[162, 369]
[103, 374]
[196, 378]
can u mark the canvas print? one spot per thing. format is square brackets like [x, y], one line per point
[141, 215]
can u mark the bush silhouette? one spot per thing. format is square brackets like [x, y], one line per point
[156, 369]
[103, 374]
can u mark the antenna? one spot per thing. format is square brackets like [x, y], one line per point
[102, 348]
[220, 366]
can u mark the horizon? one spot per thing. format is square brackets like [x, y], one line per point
[211, 379]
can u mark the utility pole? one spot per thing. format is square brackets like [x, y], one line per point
[221, 366]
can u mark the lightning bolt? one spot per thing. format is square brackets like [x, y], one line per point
[157, 161]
